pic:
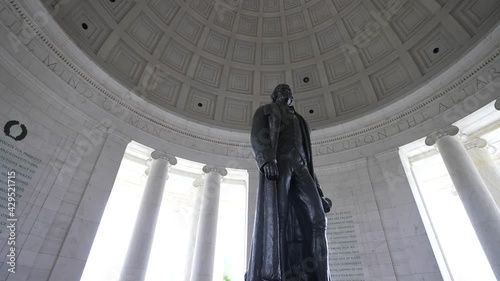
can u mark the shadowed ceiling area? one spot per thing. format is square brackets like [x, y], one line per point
[216, 61]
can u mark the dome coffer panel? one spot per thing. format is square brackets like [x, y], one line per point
[340, 57]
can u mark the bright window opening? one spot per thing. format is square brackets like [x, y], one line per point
[458, 251]
[459, 244]
[175, 233]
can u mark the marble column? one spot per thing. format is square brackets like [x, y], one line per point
[136, 261]
[198, 185]
[253, 186]
[478, 152]
[206, 235]
[478, 202]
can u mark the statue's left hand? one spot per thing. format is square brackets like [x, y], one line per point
[327, 204]
[271, 171]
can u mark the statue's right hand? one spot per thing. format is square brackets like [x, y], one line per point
[271, 171]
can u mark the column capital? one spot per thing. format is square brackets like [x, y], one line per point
[158, 154]
[447, 131]
[497, 104]
[199, 181]
[211, 168]
[476, 143]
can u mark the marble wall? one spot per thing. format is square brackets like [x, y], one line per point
[71, 164]
[375, 231]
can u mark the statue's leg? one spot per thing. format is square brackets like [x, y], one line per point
[311, 204]
[285, 175]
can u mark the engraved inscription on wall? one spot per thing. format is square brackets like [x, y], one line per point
[343, 247]
[26, 166]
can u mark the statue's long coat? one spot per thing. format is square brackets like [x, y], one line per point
[265, 260]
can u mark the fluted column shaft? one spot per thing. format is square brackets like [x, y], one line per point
[477, 201]
[198, 184]
[478, 152]
[253, 185]
[206, 235]
[136, 261]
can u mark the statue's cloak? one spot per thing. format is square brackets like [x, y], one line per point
[266, 262]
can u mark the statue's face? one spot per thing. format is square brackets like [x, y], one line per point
[285, 96]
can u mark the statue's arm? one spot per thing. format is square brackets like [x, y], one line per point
[327, 203]
[319, 189]
[260, 138]
[318, 186]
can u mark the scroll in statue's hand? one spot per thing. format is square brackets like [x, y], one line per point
[327, 204]
[271, 171]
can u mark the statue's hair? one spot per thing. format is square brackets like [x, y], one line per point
[276, 91]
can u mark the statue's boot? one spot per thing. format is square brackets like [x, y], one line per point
[320, 254]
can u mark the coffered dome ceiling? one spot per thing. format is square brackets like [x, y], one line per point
[216, 61]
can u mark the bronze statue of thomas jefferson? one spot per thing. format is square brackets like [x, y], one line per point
[289, 239]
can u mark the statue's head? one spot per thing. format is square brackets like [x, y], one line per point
[282, 94]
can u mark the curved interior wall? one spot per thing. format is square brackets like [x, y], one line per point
[78, 128]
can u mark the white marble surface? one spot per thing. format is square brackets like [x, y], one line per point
[204, 250]
[139, 249]
[487, 169]
[392, 239]
[198, 186]
[45, 212]
[478, 202]
[252, 187]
